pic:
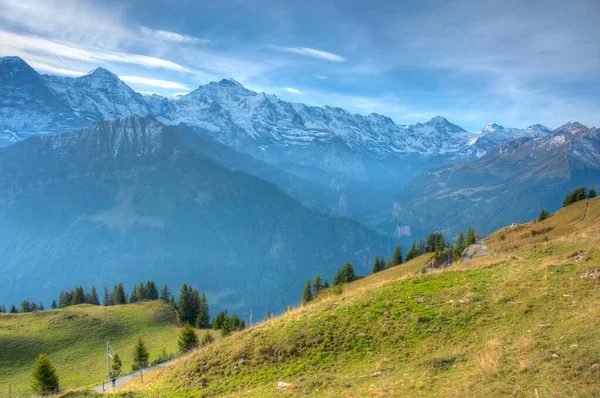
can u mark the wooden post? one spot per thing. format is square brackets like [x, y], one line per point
[103, 386]
[141, 374]
[9, 392]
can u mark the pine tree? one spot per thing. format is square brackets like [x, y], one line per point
[397, 256]
[2, 309]
[53, 306]
[317, 285]
[93, 299]
[268, 316]
[203, 319]
[187, 339]
[25, 306]
[119, 296]
[326, 284]
[78, 296]
[470, 237]
[226, 327]
[543, 215]
[460, 242]
[206, 339]
[140, 354]
[376, 265]
[165, 295]
[592, 193]
[107, 298]
[44, 378]
[420, 247]
[348, 274]
[337, 278]
[195, 306]
[116, 365]
[13, 309]
[306, 294]
[411, 252]
[41, 307]
[151, 292]
[135, 295]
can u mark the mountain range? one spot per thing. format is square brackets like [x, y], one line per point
[127, 199]
[515, 179]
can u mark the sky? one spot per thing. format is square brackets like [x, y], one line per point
[514, 63]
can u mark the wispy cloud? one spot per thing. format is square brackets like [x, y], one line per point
[292, 90]
[173, 36]
[321, 77]
[153, 82]
[311, 52]
[42, 67]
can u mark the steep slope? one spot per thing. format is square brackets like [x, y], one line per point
[519, 320]
[512, 182]
[74, 338]
[125, 200]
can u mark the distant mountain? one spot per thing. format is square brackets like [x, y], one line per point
[514, 181]
[493, 135]
[127, 199]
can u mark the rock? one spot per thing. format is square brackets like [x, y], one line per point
[282, 385]
[375, 374]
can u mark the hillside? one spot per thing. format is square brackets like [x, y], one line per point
[520, 320]
[74, 338]
[126, 200]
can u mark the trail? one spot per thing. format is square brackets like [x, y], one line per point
[473, 249]
[121, 381]
[587, 205]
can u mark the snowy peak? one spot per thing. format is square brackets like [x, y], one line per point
[492, 128]
[442, 124]
[571, 128]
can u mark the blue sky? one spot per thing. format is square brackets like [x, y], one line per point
[515, 63]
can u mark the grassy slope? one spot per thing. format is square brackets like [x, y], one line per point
[74, 338]
[520, 320]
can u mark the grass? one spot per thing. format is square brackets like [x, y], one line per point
[520, 321]
[74, 338]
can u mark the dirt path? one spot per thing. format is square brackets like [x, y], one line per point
[122, 380]
[470, 252]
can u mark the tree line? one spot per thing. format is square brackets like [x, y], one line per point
[578, 194]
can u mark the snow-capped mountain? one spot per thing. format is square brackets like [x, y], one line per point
[328, 142]
[493, 135]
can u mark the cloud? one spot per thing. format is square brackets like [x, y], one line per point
[40, 66]
[153, 82]
[321, 77]
[311, 52]
[292, 90]
[172, 36]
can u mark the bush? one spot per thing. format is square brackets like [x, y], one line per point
[207, 338]
[502, 236]
[543, 215]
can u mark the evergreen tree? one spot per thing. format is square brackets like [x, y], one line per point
[78, 296]
[93, 297]
[206, 339]
[151, 291]
[470, 237]
[420, 247]
[411, 252]
[53, 306]
[326, 284]
[41, 307]
[592, 193]
[575, 196]
[203, 319]
[187, 339]
[460, 242]
[376, 265]
[119, 296]
[107, 298]
[317, 285]
[306, 294]
[348, 274]
[13, 309]
[135, 295]
[226, 327]
[142, 295]
[44, 379]
[140, 354]
[268, 316]
[543, 215]
[165, 295]
[2, 309]
[337, 279]
[396, 256]
[25, 306]
[195, 305]
[116, 365]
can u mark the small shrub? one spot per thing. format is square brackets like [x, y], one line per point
[337, 290]
[502, 236]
